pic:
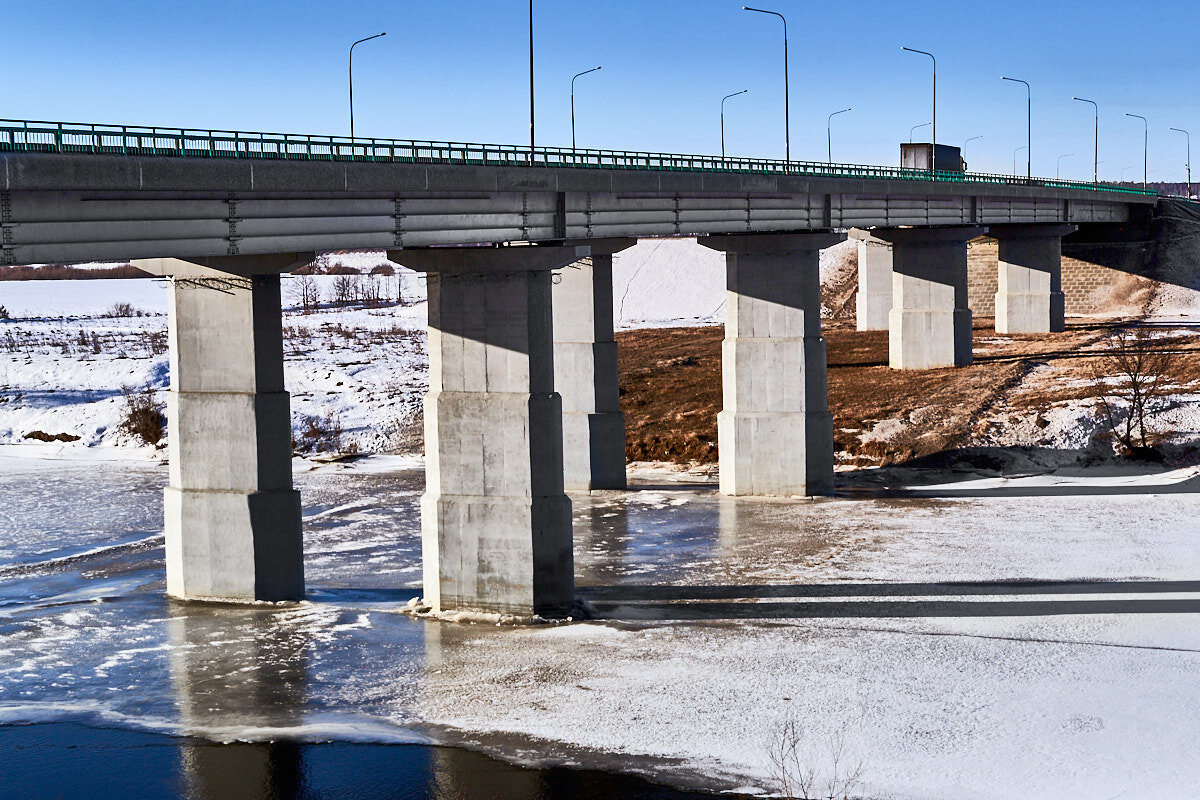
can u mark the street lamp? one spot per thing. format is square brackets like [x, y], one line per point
[723, 99]
[581, 74]
[1096, 160]
[787, 114]
[1145, 149]
[532, 117]
[933, 147]
[1058, 168]
[1124, 169]
[1019, 149]
[1189, 159]
[1028, 126]
[356, 44]
[829, 131]
[963, 152]
[914, 129]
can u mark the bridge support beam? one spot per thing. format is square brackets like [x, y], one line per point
[874, 300]
[585, 371]
[774, 433]
[930, 322]
[232, 517]
[1029, 297]
[495, 522]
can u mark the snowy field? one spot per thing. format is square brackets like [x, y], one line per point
[64, 357]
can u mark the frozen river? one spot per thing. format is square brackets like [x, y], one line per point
[1018, 639]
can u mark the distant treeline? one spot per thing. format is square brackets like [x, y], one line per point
[66, 272]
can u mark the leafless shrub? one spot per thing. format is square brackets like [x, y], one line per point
[802, 772]
[143, 416]
[121, 309]
[322, 435]
[1132, 380]
[4, 313]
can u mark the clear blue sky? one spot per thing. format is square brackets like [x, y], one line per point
[457, 70]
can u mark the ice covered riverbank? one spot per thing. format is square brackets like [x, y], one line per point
[996, 646]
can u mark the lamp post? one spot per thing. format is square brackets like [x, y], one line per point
[914, 129]
[1145, 149]
[829, 132]
[1124, 169]
[963, 152]
[787, 114]
[1189, 159]
[579, 75]
[532, 117]
[356, 44]
[1028, 126]
[1058, 167]
[1019, 149]
[933, 147]
[723, 99]
[1096, 160]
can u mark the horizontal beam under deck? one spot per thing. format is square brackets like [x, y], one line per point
[64, 226]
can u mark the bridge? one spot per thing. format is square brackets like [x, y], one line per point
[523, 397]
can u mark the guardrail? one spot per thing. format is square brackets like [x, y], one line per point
[65, 137]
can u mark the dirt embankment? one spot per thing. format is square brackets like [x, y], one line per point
[671, 392]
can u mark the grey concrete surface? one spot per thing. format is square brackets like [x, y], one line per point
[585, 371]
[774, 432]
[495, 521]
[81, 207]
[233, 527]
[1030, 297]
[930, 322]
[873, 302]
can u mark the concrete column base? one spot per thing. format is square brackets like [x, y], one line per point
[775, 434]
[1030, 312]
[233, 545]
[926, 339]
[593, 451]
[802, 448]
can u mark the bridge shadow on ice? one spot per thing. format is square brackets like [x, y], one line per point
[890, 600]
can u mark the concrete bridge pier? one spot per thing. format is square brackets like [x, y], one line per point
[930, 321]
[495, 521]
[775, 433]
[1029, 298]
[585, 371]
[874, 300]
[232, 517]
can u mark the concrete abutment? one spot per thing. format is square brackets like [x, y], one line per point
[775, 433]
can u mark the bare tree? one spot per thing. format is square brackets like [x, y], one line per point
[803, 773]
[304, 292]
[344, 289]
[1132, 379]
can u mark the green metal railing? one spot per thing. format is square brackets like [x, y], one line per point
[64, 137]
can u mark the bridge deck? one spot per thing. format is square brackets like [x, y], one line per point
[85, 192]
